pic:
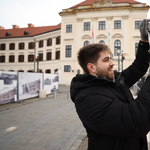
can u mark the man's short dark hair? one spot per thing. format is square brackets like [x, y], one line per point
[90, 54]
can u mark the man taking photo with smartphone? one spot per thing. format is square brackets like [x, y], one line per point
[113, 119]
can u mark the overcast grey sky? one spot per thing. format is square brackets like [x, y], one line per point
[37, 12]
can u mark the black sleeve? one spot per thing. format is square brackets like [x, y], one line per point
[140, 65]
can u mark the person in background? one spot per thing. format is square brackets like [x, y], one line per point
[112, 118]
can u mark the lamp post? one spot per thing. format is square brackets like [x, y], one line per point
[118, 53]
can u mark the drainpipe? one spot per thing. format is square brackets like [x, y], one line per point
[34, 52]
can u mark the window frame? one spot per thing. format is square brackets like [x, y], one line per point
[31, 45]
[57, 55]
[67, 68]
[11, 58]
[3, 46]
[21, 45]
[20, 58]
[102, 42]
[2, 59]
[40, 56]
[137, 24]
[102, 25]
[30, 58]
[49, 56]
[49, 42]
[117, 45]
[58, 40]
[48, 71]
[12, 46]
[68, 51]
[41, 44]
[86, 43]
[68, 28]
[87, 26]
[117, 24]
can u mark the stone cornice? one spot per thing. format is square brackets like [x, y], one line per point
[79, 19]
[68, 39]
[101, 36]
[135, 37]
[86, 37]
[95, 19]
[125, 17]
[109, 18]
[117, 36]
[105, 8]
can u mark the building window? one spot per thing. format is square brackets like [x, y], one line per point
[68, 28]
[48, 71]
[67, 68]
[2, 59]
[31, 45]
[49, 42]
[21, 58]
[2, 46]
[117, 46]
[56, 71]
[41, 43]
[68, 50]
[30, 58]
[58, 40]
[117, 24]
[101, 25]
[136, 47]
[11, 46]
[21, 45]
[57, 55]
[86, 26]
[41, 57]
[137, 24]
[86, 43]
[101, 42]
[11, 58]
[30, 71]
[49, 56]
[20, 70]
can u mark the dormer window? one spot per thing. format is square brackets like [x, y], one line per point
[8, 34]
[26, 32]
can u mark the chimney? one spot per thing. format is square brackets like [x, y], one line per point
[2, 28]
[15, 26]
[30, 25]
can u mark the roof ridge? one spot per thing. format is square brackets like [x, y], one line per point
[90, 2]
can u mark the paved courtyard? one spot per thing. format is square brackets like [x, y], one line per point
[40, 124]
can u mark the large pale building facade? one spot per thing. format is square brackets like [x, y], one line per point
[112, 22]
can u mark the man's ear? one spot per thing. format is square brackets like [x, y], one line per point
[91, 67]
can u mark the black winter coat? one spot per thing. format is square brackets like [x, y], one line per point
[113, 120]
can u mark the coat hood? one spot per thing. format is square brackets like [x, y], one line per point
[81, 81]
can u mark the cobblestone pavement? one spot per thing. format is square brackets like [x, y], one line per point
[41, 124]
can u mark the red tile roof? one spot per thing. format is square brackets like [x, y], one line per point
[19, 32]
[90, 2]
